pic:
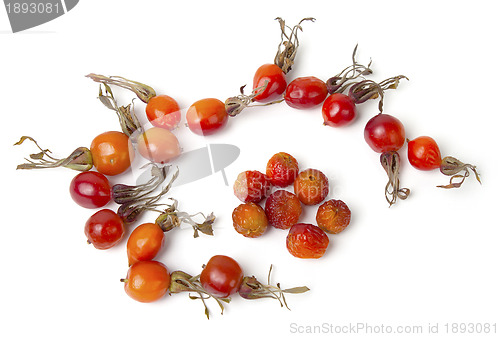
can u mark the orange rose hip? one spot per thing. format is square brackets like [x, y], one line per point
[311, 186]
[333, 216]
[307, 241]
[250, 220]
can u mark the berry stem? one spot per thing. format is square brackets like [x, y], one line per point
[390, 161]
[129, 122]
[144, 92]
[79, 160]
[172, 218]
[234, 105]
[451, 166]
[183, 282]
[287, 48]
[252, 289]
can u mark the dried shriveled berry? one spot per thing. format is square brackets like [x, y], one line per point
[250, 220]
[333, 216]
[307, 241]
[283, 209]
[282, 169]
[311, 186]
[252, 186]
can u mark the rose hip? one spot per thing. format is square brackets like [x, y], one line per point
[282, 169]
[306, 241]
[305, 92]
[252, 186]
[250, 220]
[311, 186]
[283, 209]
[333, 216]
[104, 229]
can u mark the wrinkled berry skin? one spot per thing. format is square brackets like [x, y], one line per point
[283, 209]
[333, 216]
[311, 186]
[282, 169]
[307, 241]
[250, 220]
[252, 186]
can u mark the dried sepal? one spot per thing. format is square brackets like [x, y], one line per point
[453, 167]
[129, 122]
[171, 218]
[183, 282]
[144, 92]
[131, 210]
[123, 194]
[252, 289]
[234, 105]
[340, 82]
[79, 160]
[364, 90]
[287, 49]
[391, 161]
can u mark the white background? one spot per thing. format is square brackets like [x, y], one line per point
[432, 258]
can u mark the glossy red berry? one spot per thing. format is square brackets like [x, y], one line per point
[221, 276]
[305, 92]
[338, 110]
[384, 133]
[424, 153]
[90, 189]
[273, 79]
[307, 241]
[104, 229]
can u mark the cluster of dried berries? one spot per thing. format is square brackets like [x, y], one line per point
[283, 208]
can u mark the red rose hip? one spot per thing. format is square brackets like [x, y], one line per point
[90, 189]
[424, 153]
[104, 229]
[384, 133]
[338, 110]
[221, 276]
[272, 80]
[305, 92]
